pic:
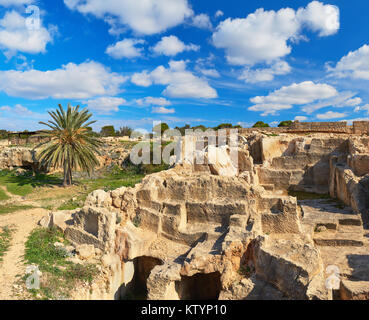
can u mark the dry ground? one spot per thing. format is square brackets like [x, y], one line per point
[12, 265]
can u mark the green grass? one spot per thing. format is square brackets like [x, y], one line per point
[59, 276]
[114, 180]
[3, 195]
[5, 238]
[23, 185]
[245, 271]
[302, 195]
[4, 209]
[72, 204]
[111, 181]
[26, 145]
[128, 144]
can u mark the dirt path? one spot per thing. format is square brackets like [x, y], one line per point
[24, 222]
[19, 200]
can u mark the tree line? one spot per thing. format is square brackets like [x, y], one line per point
[126, 131]
[109, 131]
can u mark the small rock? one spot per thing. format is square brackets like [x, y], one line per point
[98, 252]
[321, 229]
[74, 260]
[86, 251]
[45, 222]
[70, 249]
[20, 172]
[107, 260]
[58, 245]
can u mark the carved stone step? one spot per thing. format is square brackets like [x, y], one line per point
[339, 239]
[354, 290]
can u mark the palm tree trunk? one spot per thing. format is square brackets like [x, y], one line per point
[65, 171]
[70, 176]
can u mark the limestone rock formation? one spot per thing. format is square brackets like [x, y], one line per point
[18, 157]
[221, 231]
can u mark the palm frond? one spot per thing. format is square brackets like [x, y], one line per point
[71, 145]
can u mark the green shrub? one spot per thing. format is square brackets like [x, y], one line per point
[260, 124]
[286, 123]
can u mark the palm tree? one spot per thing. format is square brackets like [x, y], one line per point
[71, 144]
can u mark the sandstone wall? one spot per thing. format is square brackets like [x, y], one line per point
[361, 127]
[349, 188]
[272, 130]
[358, 127]
[301, 163]
[328, 127]
[15, 141]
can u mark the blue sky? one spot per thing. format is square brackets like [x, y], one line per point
[182, 61]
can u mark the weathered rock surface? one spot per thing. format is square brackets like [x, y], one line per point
[219, 230]
[18, 157]
[86, 251]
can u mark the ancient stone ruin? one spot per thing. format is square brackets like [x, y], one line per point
[212, 232]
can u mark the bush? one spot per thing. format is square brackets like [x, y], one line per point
[224, 126]
[286, 123]
[125, 131]
[108, 131]
[260, 124]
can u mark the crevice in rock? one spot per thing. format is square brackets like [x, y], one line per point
[200, 286]
[137, 288]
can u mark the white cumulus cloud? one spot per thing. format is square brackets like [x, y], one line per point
[321, 18]
[126, 48]
[142, 79]
[266, 74]
[269, 108]
[354, 65]
[342, 99]
[71, 81]
[162, 110]
[298, 93]
[20, 111]
[180, 82]
[213, 73]
[363, 108]
[143, 16]
[219, 13]
[153, 101]
[301, 118]
[331, 115]
[263, 35]
[9, 3]
[16, 36]
[202, 21]
[171, 46]
[104, 105]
